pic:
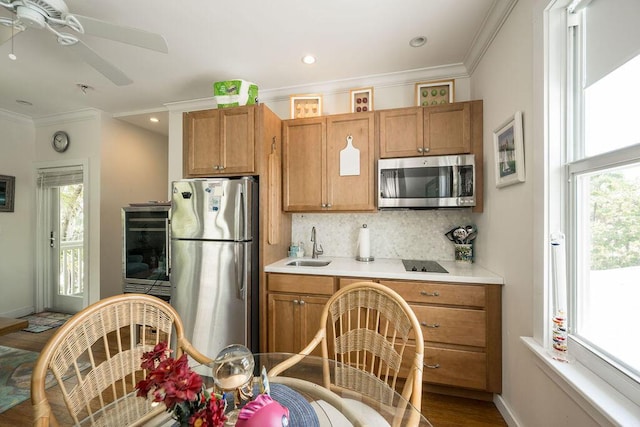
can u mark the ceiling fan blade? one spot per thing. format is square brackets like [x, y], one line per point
[133, 36]
[100, 64]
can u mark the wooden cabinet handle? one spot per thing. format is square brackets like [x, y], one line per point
[430, 325]
[436, 366]
[430, 294]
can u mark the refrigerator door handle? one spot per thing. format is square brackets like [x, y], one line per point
[241, 276]
[240, 217]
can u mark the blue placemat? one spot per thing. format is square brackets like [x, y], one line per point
[300, 411]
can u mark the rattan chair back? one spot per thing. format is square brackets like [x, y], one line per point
[371, 327]
[95, 360]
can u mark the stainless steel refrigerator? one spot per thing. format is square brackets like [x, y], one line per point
[214, 261]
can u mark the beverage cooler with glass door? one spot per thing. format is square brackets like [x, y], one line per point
[145, 253]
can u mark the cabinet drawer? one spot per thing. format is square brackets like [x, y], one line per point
[345, 281]
[457, 368]
[452, 325]
[300, 284]
[439, 293]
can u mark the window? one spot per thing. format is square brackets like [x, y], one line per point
[603, 191]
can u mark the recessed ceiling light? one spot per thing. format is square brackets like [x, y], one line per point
[418, 41]
[154, 119]
[309, 59]
[23, 102]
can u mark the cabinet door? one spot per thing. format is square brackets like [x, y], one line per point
[304, 164]
[201, 143]
[447, 129]
[311, 311]
[401, 132]
[350, 192]
[237, 140]
[283, 329]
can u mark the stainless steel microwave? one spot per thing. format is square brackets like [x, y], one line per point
[427, 182]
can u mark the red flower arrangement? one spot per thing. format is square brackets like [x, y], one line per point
[172, 382]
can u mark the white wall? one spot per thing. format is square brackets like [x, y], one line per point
[17, 276]
[117, 155]
[504, 79]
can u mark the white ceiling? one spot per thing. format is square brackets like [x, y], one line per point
[255, 40]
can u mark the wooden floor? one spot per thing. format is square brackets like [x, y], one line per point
[442, 411]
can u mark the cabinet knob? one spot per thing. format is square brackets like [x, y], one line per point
[436, 366]
[420, 150]
[221, 167]
[430, 325]
[216, 167]
[426, 150]
[301, 302]
[430, 294]
[328, 205]
[295, 301]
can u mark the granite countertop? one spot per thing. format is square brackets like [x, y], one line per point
[386, 268]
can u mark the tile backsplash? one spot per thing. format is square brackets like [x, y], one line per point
[410, 234]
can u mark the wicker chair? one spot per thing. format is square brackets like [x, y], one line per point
[369, 326]
[95, 359]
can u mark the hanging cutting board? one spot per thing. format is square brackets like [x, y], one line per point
[349, 159]
[273, 172]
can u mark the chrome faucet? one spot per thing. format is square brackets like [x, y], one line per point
[316, 251]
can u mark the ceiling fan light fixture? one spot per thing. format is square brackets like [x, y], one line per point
[29, 17]
[418, 41]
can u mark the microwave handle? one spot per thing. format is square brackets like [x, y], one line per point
[455, 184]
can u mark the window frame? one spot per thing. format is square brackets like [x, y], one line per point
[565, 211]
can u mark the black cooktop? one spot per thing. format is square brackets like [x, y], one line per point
[423, 266]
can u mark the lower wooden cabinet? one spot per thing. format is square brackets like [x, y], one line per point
[462, 329]
[295, 304]
[461, 325]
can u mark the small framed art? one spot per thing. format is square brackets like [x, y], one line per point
[435, 93]
[7, 190]
[306, 106]
[509, 151]
[361, 100]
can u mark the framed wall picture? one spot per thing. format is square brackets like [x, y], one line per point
[509, 151]
[435, 93]
[361, 100]
[7, 190]
[306, 106]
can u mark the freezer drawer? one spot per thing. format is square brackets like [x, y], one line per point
[211, 290]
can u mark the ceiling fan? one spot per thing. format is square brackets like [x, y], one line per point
[54, 16]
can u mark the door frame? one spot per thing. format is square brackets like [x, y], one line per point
[43, 294]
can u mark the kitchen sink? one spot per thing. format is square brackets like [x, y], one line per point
[309, 263]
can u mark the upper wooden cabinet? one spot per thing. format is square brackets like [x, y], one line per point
[312, 153]
[219, 142]
[427, 131]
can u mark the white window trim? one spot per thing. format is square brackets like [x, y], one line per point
[605, 404]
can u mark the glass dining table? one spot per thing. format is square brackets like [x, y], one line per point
[301, 389]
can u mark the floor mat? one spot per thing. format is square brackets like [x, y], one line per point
[44, 321]
[16, 366]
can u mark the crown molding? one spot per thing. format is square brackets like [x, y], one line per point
[490, 28]
[333, 87]
[73, 116]
[16, 117]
